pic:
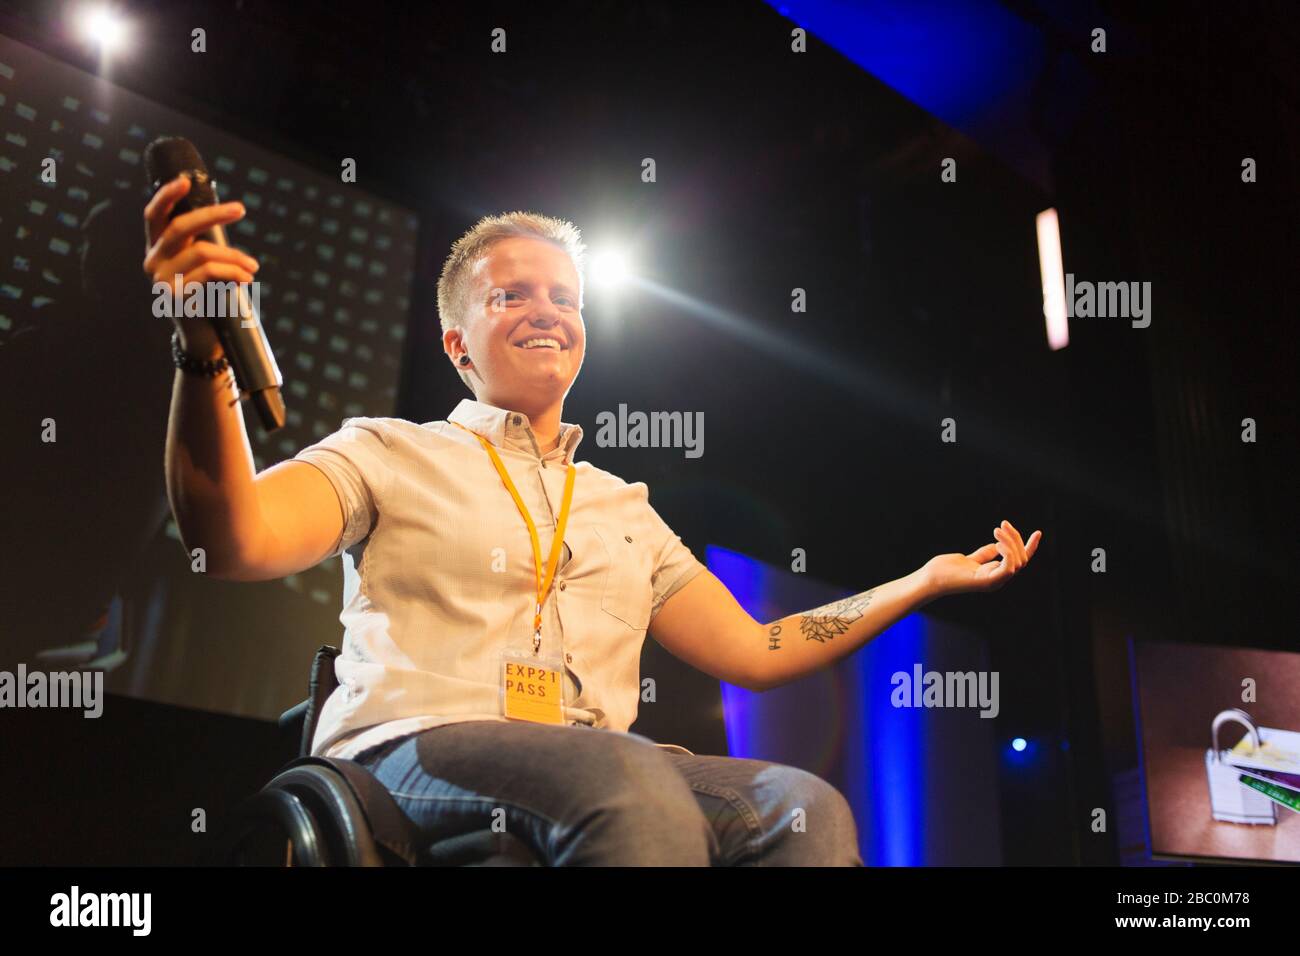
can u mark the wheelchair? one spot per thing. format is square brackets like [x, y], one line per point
[326, 811]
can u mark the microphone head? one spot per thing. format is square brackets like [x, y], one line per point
[169, 156]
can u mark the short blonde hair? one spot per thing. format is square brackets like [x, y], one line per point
[455, 283]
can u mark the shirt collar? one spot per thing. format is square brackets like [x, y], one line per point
[509, 429]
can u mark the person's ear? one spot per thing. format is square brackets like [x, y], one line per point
[453, 343]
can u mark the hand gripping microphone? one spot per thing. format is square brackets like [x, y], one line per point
[238, 328]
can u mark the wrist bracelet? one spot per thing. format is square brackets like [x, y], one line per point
[209, 368]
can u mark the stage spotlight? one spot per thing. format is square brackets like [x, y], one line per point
[1019, 744]
[104, 27]
[609, 269]
[1053, 275]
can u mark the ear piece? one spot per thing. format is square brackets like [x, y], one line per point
[464, 360]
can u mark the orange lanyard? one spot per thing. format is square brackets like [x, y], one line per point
[543, 584]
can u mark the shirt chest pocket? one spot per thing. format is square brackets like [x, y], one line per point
[627, 592]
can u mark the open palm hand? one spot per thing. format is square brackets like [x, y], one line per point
[984, 569]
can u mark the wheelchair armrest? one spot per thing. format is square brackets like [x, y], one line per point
[293, 727]
[293, 717]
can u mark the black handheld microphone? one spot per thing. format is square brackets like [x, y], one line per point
[238, 329]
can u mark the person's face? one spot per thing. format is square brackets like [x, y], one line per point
[524, 290]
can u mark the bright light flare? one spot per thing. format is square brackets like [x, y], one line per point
[1051, 268]
[102, 26]
[610, 269]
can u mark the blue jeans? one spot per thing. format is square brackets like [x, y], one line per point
[584, 797]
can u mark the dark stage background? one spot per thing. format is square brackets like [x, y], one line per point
[775, 172]
[81, 347]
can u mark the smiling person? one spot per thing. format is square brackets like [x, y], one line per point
[498, 591]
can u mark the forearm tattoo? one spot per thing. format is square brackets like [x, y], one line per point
[823, 623]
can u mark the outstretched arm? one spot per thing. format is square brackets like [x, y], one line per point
[251, 527]
[704, 625]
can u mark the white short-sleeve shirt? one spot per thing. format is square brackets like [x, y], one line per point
[439, 574]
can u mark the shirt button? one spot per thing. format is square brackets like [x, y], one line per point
[568, 658]
[563, 585]
[517, 419]
[627, 538]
